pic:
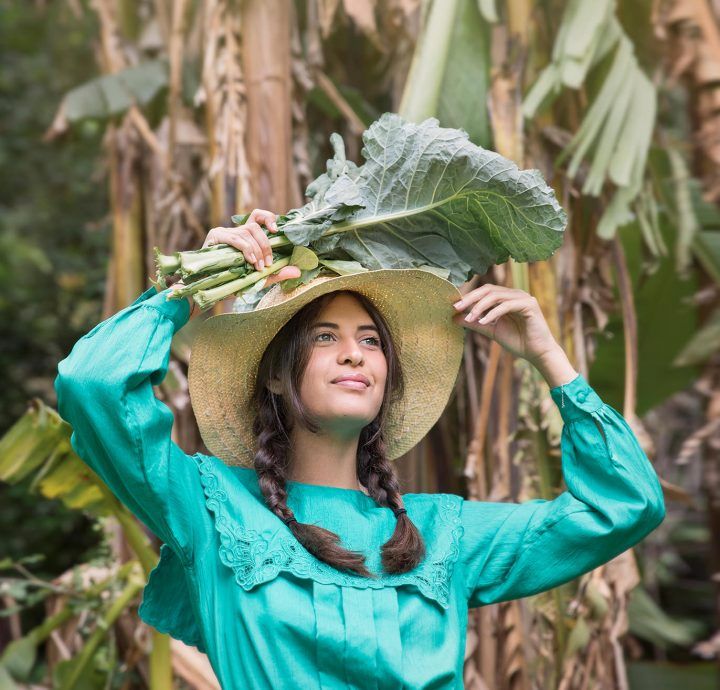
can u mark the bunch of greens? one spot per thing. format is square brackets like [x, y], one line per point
[426, 197]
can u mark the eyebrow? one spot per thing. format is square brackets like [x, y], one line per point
[329, 324]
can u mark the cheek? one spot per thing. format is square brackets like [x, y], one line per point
[380, 371]
[314, 373]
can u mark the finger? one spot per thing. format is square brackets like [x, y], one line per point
[478, 293]
[285, 273]
[239, 241]
[211, 238]
[484, 303]
[177, 286]
[262, 241]
[502, 309]
[487, 331]
[267, 218]
[249, 232]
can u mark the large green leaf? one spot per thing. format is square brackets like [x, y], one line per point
[115, 93]
[462, 101]
[6, 680]
[649, 621]
[18, 658]
[37, 435]
[427, 195]
[704, 344]
[592, 50]
[39, 444]
[666, 321]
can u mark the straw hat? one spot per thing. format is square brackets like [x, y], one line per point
[417, 306]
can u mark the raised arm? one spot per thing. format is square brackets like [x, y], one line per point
[120, 429]
[613, 500]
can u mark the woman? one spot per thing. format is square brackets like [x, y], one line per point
[291, 556]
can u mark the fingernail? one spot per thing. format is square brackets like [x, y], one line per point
[253, 259]
[484, 318]
[458, 304]
[268, 259]
[261, 263]
[469, 317]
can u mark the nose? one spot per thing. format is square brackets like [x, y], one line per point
[351, 354]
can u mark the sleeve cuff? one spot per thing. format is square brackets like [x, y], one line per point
[177, 310]
[576, 399]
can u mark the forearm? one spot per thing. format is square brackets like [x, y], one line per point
[555, 367]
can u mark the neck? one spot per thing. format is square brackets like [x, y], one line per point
[324, 458]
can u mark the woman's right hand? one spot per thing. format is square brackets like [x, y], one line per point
[250, 239]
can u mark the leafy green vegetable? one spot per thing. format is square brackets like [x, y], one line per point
[426, 197]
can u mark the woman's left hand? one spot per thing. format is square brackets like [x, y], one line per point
[510, 316]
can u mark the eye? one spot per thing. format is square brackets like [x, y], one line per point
[375, 341]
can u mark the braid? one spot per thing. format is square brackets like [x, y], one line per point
[406, 548]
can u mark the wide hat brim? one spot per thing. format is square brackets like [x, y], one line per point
[417, 306]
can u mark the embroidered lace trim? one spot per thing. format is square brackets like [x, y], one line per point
[248, 553]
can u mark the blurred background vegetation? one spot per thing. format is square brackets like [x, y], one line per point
[129, 124]
[54, 236]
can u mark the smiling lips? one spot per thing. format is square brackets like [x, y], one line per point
[357, 381]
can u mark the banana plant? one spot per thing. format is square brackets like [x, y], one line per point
[38, 446]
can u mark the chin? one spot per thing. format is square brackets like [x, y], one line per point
[359, 412]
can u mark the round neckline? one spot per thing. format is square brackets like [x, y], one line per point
[290, 483]
[304, 489]
[300, 487]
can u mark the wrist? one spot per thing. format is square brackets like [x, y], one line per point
[179, 285]
[555, 367]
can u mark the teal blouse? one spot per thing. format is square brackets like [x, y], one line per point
[233, 581]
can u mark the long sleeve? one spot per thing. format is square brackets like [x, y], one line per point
[120, 428]
[613, 500]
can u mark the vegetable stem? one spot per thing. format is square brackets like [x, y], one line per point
[206, 298]
[166, 264]
[208, 281]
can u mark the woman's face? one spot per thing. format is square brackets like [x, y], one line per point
[344, 342]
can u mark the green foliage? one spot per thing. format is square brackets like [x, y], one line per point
[54, 243]
[668, 676]
[463, 95]
[98, 604]
[666, 320]
[649, 621]
[426, 195]
[38, 444]
[592, 50]
[111, 94]
[52, 273]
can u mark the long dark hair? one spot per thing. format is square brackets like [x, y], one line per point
[285, 359]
